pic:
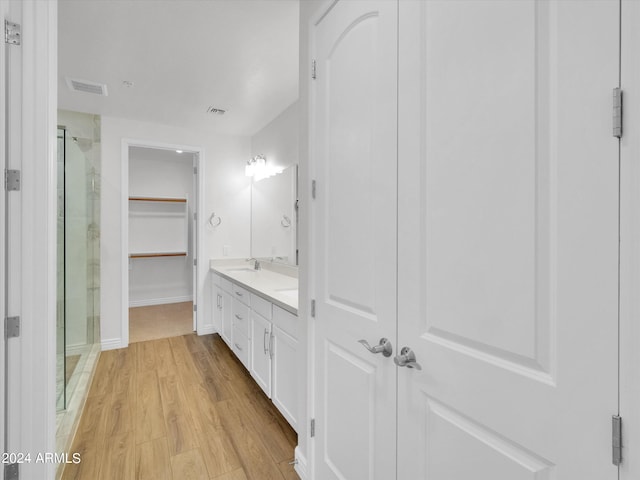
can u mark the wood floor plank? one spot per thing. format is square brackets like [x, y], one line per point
[235, 475]
[187, 371]
[146, 355]
[203, 410]
[164, 356]
[219, 453]
[91, 455]
[149, 416]
[277, 440]
[103, 377]
[118, 460]
[288, 472]
[256, 460]
[94, 419]
[180, 426]
[120, 413]
[152, 460]
[189, 466]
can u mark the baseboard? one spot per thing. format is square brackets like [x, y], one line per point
[159, 301]
[301, 464]
[111, 344]
[206, 330]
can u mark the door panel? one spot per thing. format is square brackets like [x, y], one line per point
[508, 221]
[354, 96]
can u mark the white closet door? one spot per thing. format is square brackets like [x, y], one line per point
[354, 223]
[508, 248]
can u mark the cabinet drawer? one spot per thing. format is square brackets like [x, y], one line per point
[261, 306]
[226, 285]
[241, 347]
[286, 321]
[240, 317]
[241, 294]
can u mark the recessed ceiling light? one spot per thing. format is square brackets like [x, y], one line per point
[178, 151]
[216, 111]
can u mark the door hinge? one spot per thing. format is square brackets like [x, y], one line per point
[12, 180]
[195, 170]
[195, 216]
[12, 471]
[11, 33]
[312, 428]
[313, 69]
[195, 262]
[195, 307]
[616, 439]
[617, 112]
[313, 308]
[313, 189]
[11, 327]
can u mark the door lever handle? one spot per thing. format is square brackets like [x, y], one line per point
[407, 359]
[384, 347]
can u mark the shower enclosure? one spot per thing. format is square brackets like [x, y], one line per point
[78, 264]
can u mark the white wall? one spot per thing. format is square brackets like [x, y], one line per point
[162, 173]
[227, 193]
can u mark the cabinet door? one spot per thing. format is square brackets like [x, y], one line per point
[508, 244]
[260, 345]
[284, 391]
[227, 318]
[217, 311]
[354, 159]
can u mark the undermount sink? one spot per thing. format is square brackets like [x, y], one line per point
[242, 269]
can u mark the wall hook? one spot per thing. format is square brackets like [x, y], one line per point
[214, 221]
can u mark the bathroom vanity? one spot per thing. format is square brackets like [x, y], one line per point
[255, 313]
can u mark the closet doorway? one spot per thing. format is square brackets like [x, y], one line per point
[160, 240]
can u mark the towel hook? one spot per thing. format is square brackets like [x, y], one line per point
[213, 218]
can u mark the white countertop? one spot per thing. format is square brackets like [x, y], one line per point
[280, 289]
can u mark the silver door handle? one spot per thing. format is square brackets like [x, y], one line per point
[264, 341]
[407, 359]
[384, 347]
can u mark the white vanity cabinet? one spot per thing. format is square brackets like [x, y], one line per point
[273, 363]
[240, 330]
[222, 315]
[261, 350]
[284, 381]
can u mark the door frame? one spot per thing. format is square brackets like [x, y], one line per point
[198, 288]
[32, 239]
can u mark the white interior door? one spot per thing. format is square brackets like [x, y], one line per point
[508, 243]
[354, 95]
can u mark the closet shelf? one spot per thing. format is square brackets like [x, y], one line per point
[158, 254]
[158, 199]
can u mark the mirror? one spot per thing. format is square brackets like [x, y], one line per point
[274, 217]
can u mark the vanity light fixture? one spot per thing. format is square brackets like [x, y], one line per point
[258, 169]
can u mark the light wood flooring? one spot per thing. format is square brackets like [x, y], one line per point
[160, 321]
[179, 408]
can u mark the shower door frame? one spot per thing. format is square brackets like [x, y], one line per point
[198, 287]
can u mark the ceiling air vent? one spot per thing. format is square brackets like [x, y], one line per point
[215, 111]
[76, 85]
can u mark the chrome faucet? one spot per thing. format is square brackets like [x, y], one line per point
[256, 265]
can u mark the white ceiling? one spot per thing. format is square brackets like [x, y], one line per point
[183, 56]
